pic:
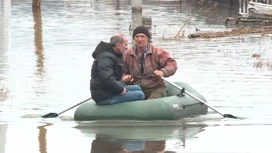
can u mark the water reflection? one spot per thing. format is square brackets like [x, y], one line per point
[108, 144]
[5, 14]
[39, 52]
[42, 137]
[3, 129]
[38, 41]
[149, 139]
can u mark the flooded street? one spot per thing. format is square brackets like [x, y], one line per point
[45, 63]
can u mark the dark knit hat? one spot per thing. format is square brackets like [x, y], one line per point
[141, 29]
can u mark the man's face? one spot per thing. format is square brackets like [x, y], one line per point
[123, 47]
[125, 43]
[140, 40]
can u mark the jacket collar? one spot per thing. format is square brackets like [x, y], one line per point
[147, 50]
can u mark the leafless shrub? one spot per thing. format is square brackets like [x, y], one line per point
[261, 61]
[3, 93]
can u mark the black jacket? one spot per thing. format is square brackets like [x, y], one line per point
[106, 74]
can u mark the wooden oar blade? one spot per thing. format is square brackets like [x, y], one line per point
[50, 115]
[229, 116]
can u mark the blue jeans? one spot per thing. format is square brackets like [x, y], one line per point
[134, 92]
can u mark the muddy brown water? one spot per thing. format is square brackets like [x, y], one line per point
[45, 62]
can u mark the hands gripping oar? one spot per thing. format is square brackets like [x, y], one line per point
[201, 101]
[51, 115]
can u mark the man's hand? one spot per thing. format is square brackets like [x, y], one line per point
[127, 78]
[124, 91]
[158, 73]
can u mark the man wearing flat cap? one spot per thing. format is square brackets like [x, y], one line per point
[146, 64]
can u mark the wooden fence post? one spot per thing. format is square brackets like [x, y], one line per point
[136, 14]
[36, 4]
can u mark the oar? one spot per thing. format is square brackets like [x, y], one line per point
[51, 115]
[201, 101]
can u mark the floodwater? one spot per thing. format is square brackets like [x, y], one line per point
[45, 61]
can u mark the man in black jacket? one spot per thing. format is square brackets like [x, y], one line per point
[107, 86]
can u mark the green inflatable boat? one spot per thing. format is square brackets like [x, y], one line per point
[175, 106]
